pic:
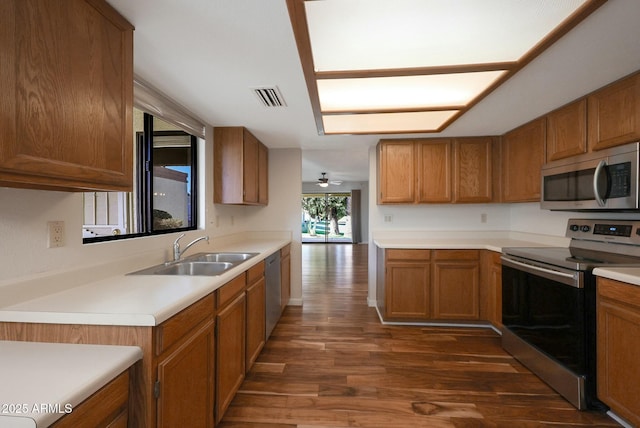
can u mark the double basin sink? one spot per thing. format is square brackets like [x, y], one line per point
[202, 264]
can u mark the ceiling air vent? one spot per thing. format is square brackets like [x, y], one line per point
[270, 96]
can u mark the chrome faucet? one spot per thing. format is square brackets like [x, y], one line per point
[177, 253]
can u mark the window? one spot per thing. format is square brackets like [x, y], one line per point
[164, 198]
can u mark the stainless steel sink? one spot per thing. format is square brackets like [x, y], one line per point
[202, 264]
[222, 257]
[195, 268]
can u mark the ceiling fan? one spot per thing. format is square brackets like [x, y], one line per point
[324, 181]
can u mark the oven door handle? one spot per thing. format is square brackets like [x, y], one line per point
[572, 279]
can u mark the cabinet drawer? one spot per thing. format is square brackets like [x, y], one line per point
[412, 255]
[172, 330]
[456, 254]
[231, 289]
[255, 273]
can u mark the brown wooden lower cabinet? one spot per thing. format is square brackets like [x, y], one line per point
[107, 407]
[407, 284]
[491, 288]
[456, 284]
[231, 342]
[185, 389]
[618, 345]
[256, 314]
[421, 284]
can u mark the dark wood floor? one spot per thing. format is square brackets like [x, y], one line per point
[331, 363]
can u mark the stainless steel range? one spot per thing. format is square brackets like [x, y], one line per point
[549, 303]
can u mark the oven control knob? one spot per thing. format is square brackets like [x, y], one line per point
[574, 227]
[585, 228]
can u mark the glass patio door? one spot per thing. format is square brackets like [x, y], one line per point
[326, 217]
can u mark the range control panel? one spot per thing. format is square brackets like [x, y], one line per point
[620, 231]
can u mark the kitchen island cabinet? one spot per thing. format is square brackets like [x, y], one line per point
[65, 385]
[618, 318]
[67, 82]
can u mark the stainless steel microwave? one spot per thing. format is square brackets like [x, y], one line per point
[603, 180]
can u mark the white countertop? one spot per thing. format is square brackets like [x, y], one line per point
[473, 240]
[54, 376]
[134, 300]
[630, 275]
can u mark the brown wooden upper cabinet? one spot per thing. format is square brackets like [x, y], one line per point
[396, 172]
[435, 170]
[473, 169]
[66, 77]
[567, 131]
[434, 163]
[614, 114]
[240, 167]
[522, 157]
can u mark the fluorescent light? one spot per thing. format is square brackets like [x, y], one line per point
[382, 34]
[403, 92]
[396, 66]
[380, 123]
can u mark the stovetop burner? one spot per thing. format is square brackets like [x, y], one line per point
[594, 243]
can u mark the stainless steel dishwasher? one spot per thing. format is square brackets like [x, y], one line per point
[272, 278]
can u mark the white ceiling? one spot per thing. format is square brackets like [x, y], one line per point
[208, 54]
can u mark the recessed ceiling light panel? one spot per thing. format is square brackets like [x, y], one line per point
[383, 123]
[403, 92]
[381, 34]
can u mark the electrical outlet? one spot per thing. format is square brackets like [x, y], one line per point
[483, 218]
[388, 218]
[56, 234]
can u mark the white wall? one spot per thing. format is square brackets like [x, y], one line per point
[24, 215]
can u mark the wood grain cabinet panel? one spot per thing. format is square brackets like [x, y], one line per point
[618, 347]
[231, 357]
[256, 314]
[473, 169]
[240, 167]
[567, 131]
[523, 154]
[396, 172]
[614, 114]
[434, 163]
[107, 407]
[456, 285]
[491, 287]
[66, 77]
[186, 382]
[407, 284]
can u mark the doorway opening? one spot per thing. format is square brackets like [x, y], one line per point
[326, 218]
